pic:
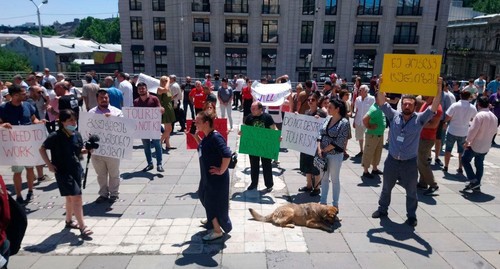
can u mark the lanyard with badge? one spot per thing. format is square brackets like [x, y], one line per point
[401, 136]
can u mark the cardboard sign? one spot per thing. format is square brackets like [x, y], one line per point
[271, 94]
[219, 124]
[151, 82]
[300, 132]
[261, 142]
[411, 74]
[147, 121]
[20, 145]
[116, 134]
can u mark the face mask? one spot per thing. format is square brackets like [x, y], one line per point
[71, 128]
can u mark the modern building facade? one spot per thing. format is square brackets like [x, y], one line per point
[275, 37]
[473, 47]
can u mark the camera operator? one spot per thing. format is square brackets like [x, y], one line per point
[107, 168]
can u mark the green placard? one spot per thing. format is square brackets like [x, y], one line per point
[260, 142]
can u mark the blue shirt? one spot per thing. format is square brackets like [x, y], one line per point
[17, 115]
[404, 136]
[115, 97]
[493, 86]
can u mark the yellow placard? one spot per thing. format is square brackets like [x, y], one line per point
[411, 74]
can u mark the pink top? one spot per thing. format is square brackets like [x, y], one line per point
[481, 131]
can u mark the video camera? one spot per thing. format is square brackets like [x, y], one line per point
[91, 143]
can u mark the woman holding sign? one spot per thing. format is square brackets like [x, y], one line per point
[214, 156]
[331, 145]
[66, 148]
[165, 96]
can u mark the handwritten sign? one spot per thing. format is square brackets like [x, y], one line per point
[116, 134]
[300, 132]
[219, 124]
[147, 121]
[261, 142]
[411, 74]
[271, 94]
[151, 82]
[20, 145]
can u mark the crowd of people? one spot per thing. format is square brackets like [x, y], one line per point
[416, 125]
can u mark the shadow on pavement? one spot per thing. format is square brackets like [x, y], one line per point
[252, 196]
[400, 232]
[99, 210]
[148, 175]
[199, 252]
[52, 186]
[246, 171]
[427, 199]
[477, 197]
[51, 242]
[301, 198]
[370, 182]
[193, 195]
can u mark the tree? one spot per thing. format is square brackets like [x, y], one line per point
[11, 61]
[487, 6]
[46, 31]
[73, 67]
[102, 31]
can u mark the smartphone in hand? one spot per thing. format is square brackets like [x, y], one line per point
[192, 130]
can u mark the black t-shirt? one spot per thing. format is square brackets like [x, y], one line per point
[393, 96]
[186, 89]
[69, 102]
[65, 150]
[263, 121]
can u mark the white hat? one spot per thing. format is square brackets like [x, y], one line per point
[5, 92]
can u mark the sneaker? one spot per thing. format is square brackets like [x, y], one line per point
[460, 171]
[160, 169]
[20, 200]
[29, 197]
[147, 168]
[212, 236]
[251, 187]
[276, 163]
[412, 222]
[359, 155]
[438, 161]
[377, 172]
[421, 186]
[315, 192]
[379, 214]
[101, 199]
[113, 198]
[305, 189]
[42, 178]
[431, 190]
[445, 169]
[346, 156]
[367, 175]
[472, 186]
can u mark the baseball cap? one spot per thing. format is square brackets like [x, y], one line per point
[5, 92]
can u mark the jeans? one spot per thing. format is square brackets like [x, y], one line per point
[469, 154]
[266, 170]
[147, 150]
[332, 173]
[187, 104]
[236, 98]
[223, 110]
[406, 173]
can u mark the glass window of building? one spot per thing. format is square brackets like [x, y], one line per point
[201, 61]
[236, 31]
[161, 60]
[135, 4]
[270, 7]
[409, 8]
[236, 6]
[329, 32]
[158, 5]
[308, 7]
[369, 7]
[306, 32]
[236, 61]
[269, 62]
[136, 27]
[269, 31]
[304, 57]
[159, 28]
[331, 7]
[406, 33]
[327, 58]
[200, 6]
[201, 30]
[138, 60]
[366, 32]
[363, 63]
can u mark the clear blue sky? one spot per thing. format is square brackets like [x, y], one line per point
[17, 12]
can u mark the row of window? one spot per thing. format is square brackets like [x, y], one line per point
[365, 7]
[237, 31]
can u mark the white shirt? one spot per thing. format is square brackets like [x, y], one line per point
[127, 89]
[482, 130]
[49, 78]
[461, 114]
[176, 92]
[362, 106]
[480, 84]
[239, 84]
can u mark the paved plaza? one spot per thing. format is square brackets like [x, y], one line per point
[156, 221]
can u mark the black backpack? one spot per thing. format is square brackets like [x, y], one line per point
[17, 227]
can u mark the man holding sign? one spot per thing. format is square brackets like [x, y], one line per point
[106, 168]
[401, 162]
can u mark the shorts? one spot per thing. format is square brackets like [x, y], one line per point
[359, 132]
[450, 141]
[19, 169]
[440, 132]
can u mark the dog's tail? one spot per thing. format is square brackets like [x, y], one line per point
[259, 217]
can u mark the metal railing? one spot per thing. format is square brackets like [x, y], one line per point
[405, 39]
[409, 11]
[201, 37]
[200, 7]
[366, 39]
[270, 9]
[235, 38]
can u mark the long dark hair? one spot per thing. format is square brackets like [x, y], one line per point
[64, 115]
[340, 105]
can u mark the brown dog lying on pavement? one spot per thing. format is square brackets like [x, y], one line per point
[312, 215]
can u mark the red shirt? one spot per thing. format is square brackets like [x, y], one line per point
[151, 101]
[199, 97]
[4, 211]
[247, 93]
[430, 133]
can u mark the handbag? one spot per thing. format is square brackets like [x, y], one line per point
[320, 163]
[233, 160]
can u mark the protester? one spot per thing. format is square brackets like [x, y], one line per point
[477, 143]
[4, 223]
[177, 95]
[147, 100]
[66, 148]
[213, 189]
[374, 122]
[186, 103]
[115, 95]
[447, 99]
[197, 97]
[331, 142]
[225, 97]
[401, 162]
[362, 104]
[168, 116]
[106, 168]
[246, 96]
[89, 91]
[494, 100]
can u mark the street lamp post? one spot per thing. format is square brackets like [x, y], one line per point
[40, 30]
[316, 10]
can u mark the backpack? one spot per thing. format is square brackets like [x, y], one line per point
[17, 227]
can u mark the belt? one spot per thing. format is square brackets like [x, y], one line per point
[400, 160]
[375, 135]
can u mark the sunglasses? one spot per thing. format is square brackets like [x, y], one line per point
[311, 100]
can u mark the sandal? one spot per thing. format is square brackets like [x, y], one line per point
[71, 225]
[85, 232]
